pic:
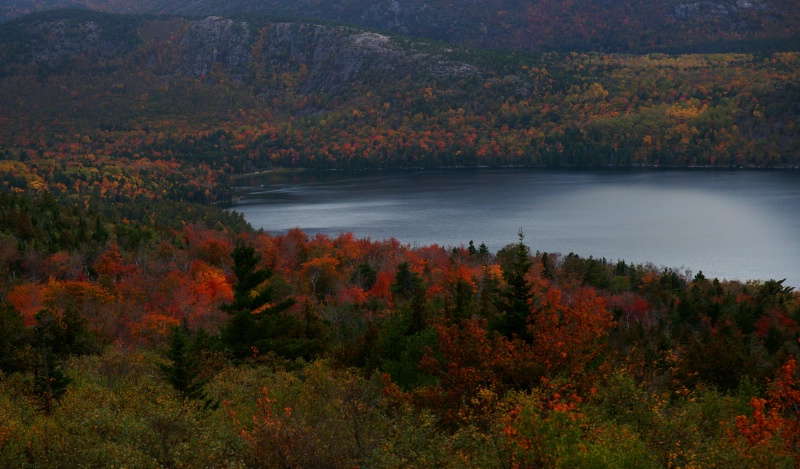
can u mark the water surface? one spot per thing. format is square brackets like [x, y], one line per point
[729, 224]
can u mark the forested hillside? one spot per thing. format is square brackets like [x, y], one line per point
[512, 25]
[125, 344]
[92, 103]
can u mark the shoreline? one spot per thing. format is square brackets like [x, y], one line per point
[234, 177]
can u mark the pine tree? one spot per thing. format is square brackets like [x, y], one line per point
[258, 325]
[406, 283]
[50, 382]
[515, 298]
[183, 370]
[13, 340]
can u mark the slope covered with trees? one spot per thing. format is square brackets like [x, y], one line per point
[167, 109]
[203, 347]
[512, 25]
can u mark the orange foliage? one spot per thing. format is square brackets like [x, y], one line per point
[153, 328]
[775, 425]
[111, 265]
[27, 299]
[382, 289]
[567, 329]
[472, 361]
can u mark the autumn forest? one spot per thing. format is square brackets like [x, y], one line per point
[142, 324]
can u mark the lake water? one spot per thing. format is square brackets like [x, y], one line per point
[729, 224]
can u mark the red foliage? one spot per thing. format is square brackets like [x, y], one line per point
[777, 318]
[775, 424]
[568, 329]
[111, 265]
[472, 361]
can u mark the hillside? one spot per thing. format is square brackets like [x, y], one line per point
[513, 25]
[193, 101]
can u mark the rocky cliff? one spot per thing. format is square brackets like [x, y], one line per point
[322, 59]
[606, 25]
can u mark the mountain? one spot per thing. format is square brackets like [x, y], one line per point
[143, 108]
[512, 25]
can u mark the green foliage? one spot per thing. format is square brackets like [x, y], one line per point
[364, 275]
[259, 324]
[557, 434]
[14, 340]
[50, 382]
[183, 370]
[249, 278]
[402, 345]
[117, 412]
[316, 417]
[515, 301]
[406, 283]
[64, 334]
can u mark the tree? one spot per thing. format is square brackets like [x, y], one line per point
[406, 282]
[774, 429]
[259, 324]
[516, 296]
[250, 277]
[183, 369]
[13, 339]
[50, 382]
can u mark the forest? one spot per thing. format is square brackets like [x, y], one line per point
[130, 343]
[143, 325]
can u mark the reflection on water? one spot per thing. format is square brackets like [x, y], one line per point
[730, 224]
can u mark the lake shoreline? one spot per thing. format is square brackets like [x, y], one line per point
[234, 177]
[734, 224]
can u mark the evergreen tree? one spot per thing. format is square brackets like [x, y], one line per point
[364, 275]
[249, 279]
[515, 298]
[183, 369]
[50, 382]
[14, 340]
[547, 267]
[405, 283]
[258, 323]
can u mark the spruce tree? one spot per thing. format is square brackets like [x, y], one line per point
[183, 369]
[515, 298]
[258, 323]
[50, 382]
[14, 340]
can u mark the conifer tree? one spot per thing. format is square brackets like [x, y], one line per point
[13, 340]
[259, 324]
[50, 382]
[183, 369]
[515, 298]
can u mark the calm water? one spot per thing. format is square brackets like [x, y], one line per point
[729, 224]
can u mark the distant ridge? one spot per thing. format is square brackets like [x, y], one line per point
[249, 92]
[512, 25]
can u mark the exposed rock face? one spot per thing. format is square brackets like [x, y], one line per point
[216, 40]
[718, 8]
[510, 25]
[58, 42]
[63, 40]
[337, 57]
[322, 59]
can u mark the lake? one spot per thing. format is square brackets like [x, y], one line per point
[729, 224]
